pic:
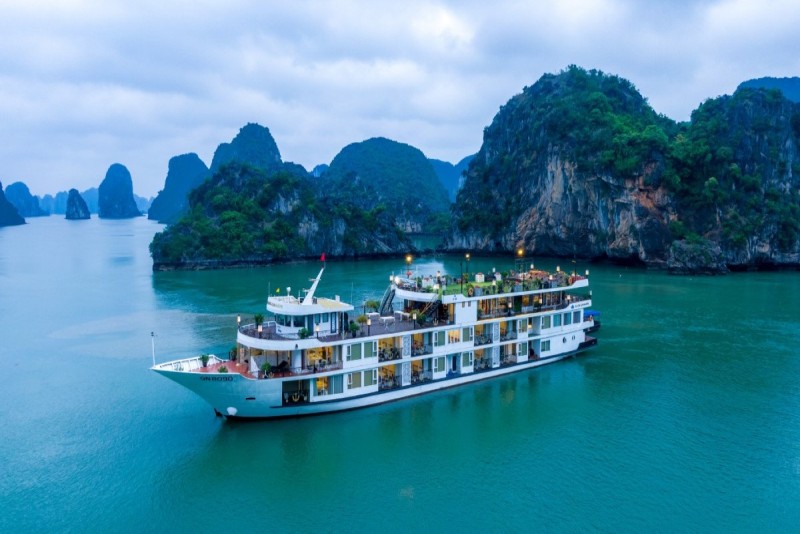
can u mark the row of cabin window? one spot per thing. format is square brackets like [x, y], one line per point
[362, 379]
[568, 319]
[299, 321]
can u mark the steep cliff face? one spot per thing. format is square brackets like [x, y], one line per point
[545, 181]
[451, 176]
[76, 207]
[579, 165]
[737, 177]
[115, 194]
[27, 205]
[184, 173]
[9, 216]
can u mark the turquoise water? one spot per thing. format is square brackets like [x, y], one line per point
[686, 417]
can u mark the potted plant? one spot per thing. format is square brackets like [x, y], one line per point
[204, 359]
[303, 333]
[354, 328]
[258, 318]
[222, 369]
[266, 368]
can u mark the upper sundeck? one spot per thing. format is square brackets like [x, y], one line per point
[309, 305]
[449, 289]
[290, 305]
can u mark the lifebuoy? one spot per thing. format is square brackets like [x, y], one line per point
[470, 292]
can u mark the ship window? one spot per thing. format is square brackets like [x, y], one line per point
[438, 364]
[546, 321]
[354, 380]
[467, 333]
[576, 317]
[370, 377]
[567, 319]
[557, 320]
[370, 349]
[299, 321]
[523, 348]
[546, 346]
[335, 384]
[453, 336]
[354, 351]
[466, 359]
[438, 338]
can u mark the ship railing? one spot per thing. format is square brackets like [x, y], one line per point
[270, 331]
[508, 336]
[482, 364]
[310, 369]
[188, 364]
[387, 355]
[419, 377]
[482, 340]
[389, 383]
[421, 350]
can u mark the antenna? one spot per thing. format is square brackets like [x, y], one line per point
[153, 346]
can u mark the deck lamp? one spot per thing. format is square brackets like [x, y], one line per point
[558, 268]
[415, 320]
[260, 329]
[316, 328]
[587, 272]
[238, 321]
[369, 325]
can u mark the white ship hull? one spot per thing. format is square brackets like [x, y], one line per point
[238, 397]
[311, 358]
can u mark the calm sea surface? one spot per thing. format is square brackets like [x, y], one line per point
[686, 417]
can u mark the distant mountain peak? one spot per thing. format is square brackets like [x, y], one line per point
[253, 145]
[790, 87]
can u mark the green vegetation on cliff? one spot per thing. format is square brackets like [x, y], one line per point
[600, 123]
[735, 172]
[396, 176]
[244, 215]
[580, 164]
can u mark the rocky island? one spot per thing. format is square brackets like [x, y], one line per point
[9, 216]
[27, 204]
[76, 207]
[579, 165]
[115, 194]
[184, 173]
[250, 215]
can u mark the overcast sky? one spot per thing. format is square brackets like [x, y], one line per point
[84, 84]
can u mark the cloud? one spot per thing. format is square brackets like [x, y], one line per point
[87, 83]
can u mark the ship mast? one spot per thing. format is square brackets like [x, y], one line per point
[309, 298]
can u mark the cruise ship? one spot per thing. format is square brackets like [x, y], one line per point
[314, 355]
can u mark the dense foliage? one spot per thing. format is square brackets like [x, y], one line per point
[599, 122]
[245, 215]
[730, 173]
[396, 176]
[734, 171]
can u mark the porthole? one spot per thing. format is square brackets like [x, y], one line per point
[564, 340]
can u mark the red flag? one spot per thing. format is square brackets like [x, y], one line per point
[322, 258]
